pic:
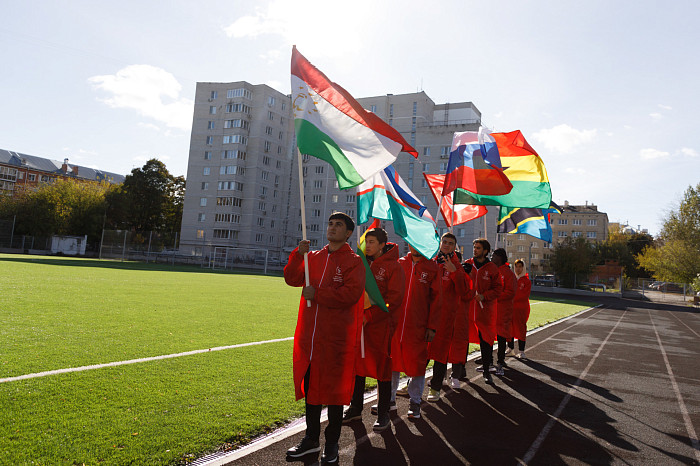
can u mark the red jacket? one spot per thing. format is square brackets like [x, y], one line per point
[504, 320]
[324, 340]
[420, 310]
[380, 324]
[486, 281]
[521, 307]
[454, 286]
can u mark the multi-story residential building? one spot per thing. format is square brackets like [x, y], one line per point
[242, 177]
[575, 221]
[22, 171]
[237, 189]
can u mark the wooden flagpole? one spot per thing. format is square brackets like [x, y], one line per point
[303, 221]
[452, 212]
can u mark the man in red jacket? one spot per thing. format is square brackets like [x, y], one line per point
[378, 328]
[326, 332]
[504, 319]
[482, 307]
[521, 309]
[418, 319]
[454, 286]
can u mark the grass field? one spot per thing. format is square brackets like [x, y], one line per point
[58, 313]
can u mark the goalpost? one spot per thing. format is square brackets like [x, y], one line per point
[225, 257]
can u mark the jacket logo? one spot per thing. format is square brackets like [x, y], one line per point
[381, 274]
[338, 277]
[423, 277]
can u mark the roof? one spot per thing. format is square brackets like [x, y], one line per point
[54, 166]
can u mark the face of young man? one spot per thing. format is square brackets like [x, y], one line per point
[414, 253]
[372, 246]
[447, 245]
[479, 252]
[337, 231]
[497, 260]
[519, 268]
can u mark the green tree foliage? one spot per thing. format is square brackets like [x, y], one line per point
[623, 247]
[573, 260]
[676, 255]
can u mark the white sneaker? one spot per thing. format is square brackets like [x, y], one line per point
[509, 351]
[455, 384]
[433, 395]
[520, 355]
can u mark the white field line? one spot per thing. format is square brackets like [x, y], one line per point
[532, 451]
[684, 411]
[136, 361]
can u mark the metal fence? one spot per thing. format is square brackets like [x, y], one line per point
[134, 245]
[654, 290]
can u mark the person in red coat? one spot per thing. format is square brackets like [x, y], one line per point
[504, 319]
[521, 308]
[378, 328]
[482, 307]
[454, 285]
[326, 332]
[418, 318]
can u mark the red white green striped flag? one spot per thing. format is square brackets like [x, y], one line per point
[331, 125]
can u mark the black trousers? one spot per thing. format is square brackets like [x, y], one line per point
[383, 395]
[439, 371]
[521, 344]
[501, 351]
[313, 418]
[486, 353]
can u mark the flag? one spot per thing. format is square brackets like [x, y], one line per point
[372, 294]
[331, 125]
[387, 197]
[533, 222]
[525, 170]
[462, 213]
[475, 165]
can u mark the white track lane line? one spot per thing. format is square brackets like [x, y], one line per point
[532, 451]
[679, 320]
[684, 411]
[135, 361]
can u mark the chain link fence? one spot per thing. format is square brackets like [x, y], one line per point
[654, 290]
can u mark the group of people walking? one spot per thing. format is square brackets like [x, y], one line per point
[433, 310]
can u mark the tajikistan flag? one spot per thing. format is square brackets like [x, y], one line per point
[331, 125]
[387, 197]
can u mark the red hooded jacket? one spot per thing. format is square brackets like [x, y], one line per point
[420, 310]
[521, 307]
[380, 324]
[454, 286]
[504, 320]
[324, 340]
[486, 281]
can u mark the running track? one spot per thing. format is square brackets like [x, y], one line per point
[619, 384]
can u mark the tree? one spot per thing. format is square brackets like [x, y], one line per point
[676, 255]
[573, 260]
[622, 248]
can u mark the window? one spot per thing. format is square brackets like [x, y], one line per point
[263, 190]
[319, 170]
[259, 238]
[373, 108]
[423, 199]
[228, 201]
[265, 175]
[575, 234]
[278, 165]
[445, 151]
[210, 124]
[266, 160]
[535, 256]
[423, 183]
[203, 201]
[534, 245]
[316, 198]
[509, 243]
[281, 135]
[237, 108]
[272, 224]
[443, 166]
[426, 167]
[205, 186]
[261, 222]
[275, 194]
[561, 234]
[261, 205]
[212, 110]
[415, 108]
[334, 198]
[284, 106]
[200, 234]
[576, 221]
[592, 222]
[268, 130]
[236, 124]
[227, 218]
[591, 234]
[225, 234]
[563, 221]
[274, 208]
[231, 170]
[233, 154]
[315, 213]
[349, 198]
[318, 184]
[240, 92]
[210, 140]
[207, 155]
[205, 171]
[268, 145]
[271, 101]
[313, 227]
[521, 248]
[230, 186]
[270, 116]
[391, 110]
[235, 139]
[426, 151]
[277, 179]
[31, 177]
[461, 232]
[200, 217]
[213, 95]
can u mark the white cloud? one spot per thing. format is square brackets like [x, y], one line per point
[152, 91]
[656, 116]
[665, 107]
[627, 127]
[273, 83]
[687, 151]
[616, 156]
[150, 126]
[575, 171]
[649, 154]
[498, 115]
[563, 138]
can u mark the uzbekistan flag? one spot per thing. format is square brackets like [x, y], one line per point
[533, 222]
[475, 165]
[525, 170]
[372, 294]
[331, 125]
[387, 197]
[462, 212]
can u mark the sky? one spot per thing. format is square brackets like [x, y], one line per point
[606, 92]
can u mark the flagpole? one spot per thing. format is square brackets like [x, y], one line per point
[303, 221]
[452, 212]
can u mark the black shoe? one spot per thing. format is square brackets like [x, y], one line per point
[305, 447]
[382, 423]
[414, 410]
[478, 361]
[503, 364]
[375, 408]
[488, 379]
[351, 414]
[330, 453]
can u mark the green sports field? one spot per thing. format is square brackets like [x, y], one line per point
[58, 313]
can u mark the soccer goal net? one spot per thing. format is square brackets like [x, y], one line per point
[224, 258]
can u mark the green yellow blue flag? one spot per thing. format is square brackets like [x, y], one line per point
[372, 294]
